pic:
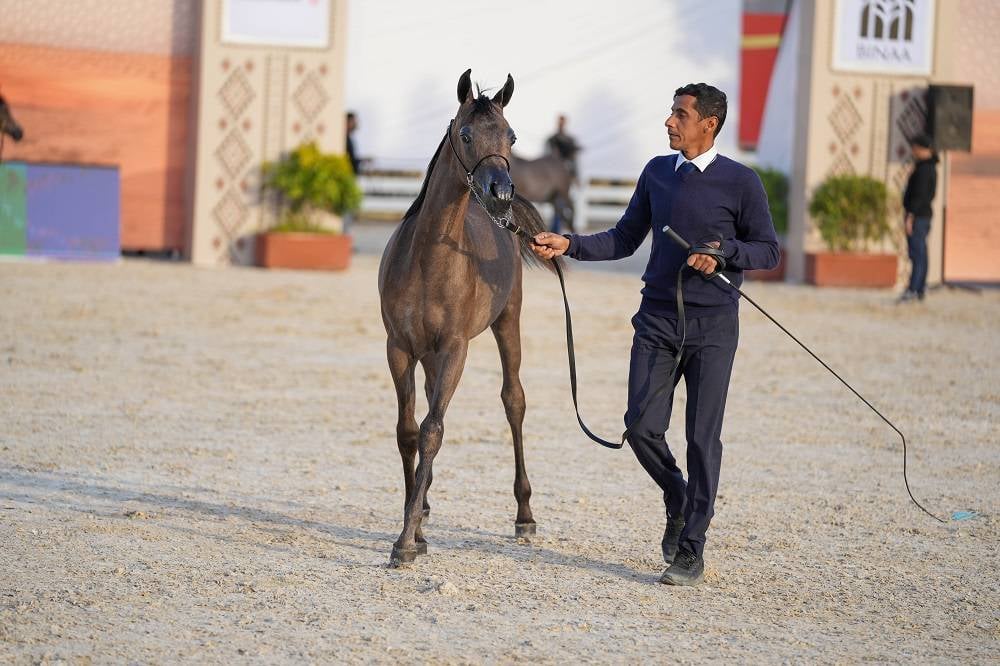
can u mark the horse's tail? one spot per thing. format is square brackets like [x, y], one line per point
[526, 216]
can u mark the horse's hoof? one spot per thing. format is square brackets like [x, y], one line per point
[401, 556]
[525, 529]
[421, 548]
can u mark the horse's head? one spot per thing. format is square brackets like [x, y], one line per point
[481, 139]
[7, 123]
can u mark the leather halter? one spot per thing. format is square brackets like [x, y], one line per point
[469, 173]
[504, 222]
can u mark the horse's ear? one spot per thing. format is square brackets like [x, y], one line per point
[503, 97]
[465, 87]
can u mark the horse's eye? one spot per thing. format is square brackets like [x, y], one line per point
[513, 139]
[466, 138]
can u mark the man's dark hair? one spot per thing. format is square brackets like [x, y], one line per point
[922, 140]
[708, 101]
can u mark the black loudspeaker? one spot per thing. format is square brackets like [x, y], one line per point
[949, 117]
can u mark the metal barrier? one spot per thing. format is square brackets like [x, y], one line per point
[388, 193]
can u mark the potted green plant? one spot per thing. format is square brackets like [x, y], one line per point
[776, 188]
[852, 214]
[313, 190]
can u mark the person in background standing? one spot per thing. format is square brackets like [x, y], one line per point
[563, 145]
[352, 155]
[917, 199]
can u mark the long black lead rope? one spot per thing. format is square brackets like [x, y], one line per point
[680, 313]
[572, 365]
[508, 224]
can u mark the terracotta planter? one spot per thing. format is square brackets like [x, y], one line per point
[776, 274]
[303, 251]
[850, 269]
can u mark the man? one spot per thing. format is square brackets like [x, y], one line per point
[351, 125]
[719, 206]
[917, 198]
[563, 145]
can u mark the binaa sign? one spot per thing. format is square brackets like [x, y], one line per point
[884, 36]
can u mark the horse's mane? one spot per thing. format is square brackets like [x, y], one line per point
[419, 201]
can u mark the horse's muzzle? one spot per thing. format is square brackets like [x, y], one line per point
[497, 189]
[14, 131]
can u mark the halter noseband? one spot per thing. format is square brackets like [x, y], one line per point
[469, 173]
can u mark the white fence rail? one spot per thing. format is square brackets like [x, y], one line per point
[389, 193]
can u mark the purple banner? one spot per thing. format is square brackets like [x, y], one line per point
[72, 212]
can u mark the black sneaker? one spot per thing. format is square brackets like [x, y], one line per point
[671, 537]
[687, 569]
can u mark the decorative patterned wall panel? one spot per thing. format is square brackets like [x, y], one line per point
[256, 102]
[850, 121]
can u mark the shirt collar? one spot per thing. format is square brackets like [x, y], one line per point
[701, 162]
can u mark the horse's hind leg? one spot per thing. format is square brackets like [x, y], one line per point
[401, 366]
[507, 331]
[450, 363]
[567, 214]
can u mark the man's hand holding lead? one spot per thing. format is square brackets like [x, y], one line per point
[548, 245]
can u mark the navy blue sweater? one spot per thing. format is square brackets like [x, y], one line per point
[726, 201]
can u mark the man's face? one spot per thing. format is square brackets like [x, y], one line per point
[685, 127]
[919, 152]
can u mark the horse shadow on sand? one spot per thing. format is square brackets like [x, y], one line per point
[104, 497]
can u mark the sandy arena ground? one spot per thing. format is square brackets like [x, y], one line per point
[200, 465]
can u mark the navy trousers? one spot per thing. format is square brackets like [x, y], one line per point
[706, 365]
[916, 245]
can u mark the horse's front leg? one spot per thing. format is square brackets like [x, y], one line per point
[507, 331]
[401, 366]
[450, 363]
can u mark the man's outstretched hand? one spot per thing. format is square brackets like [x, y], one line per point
[548, 245]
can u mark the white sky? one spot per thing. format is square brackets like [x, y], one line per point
[611, 67]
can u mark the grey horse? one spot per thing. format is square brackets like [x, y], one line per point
[547, 179]
[447, 274]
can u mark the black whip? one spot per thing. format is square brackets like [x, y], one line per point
[518, 231]
[687, 246]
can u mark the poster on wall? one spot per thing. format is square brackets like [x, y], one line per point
[884, 36]
[295, 23]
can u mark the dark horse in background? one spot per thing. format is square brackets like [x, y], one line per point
[8, 126]
[547, 179]
[447, 274]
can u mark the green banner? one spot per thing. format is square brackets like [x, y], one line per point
[13, 208]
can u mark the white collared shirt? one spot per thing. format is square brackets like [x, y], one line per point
[701, 162]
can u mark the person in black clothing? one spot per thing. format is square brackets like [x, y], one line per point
[719, 206]
[563, 145]
[917, 198]
[352, 155]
